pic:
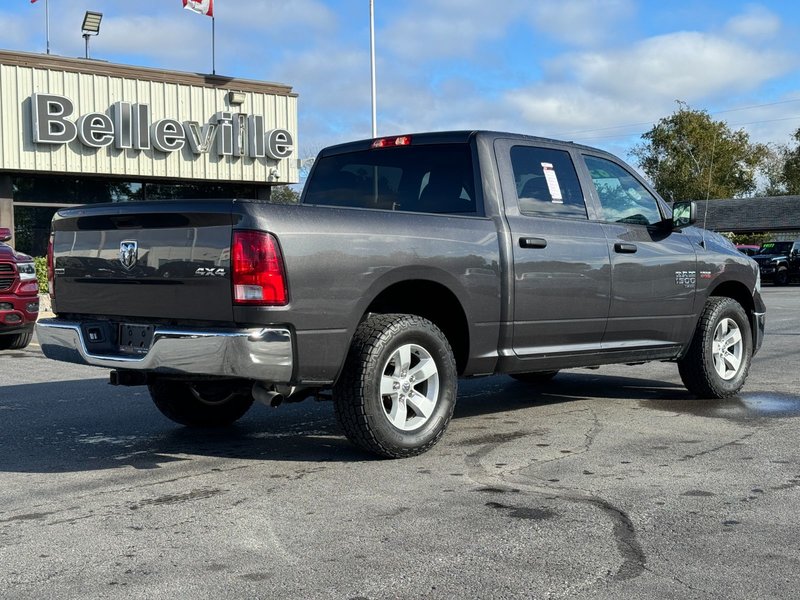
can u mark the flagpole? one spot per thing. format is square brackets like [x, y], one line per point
[213, 45]
[47, 22]
[372, 66]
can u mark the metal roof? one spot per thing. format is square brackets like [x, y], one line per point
[750, 215]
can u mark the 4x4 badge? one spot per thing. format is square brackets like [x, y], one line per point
[128, 253]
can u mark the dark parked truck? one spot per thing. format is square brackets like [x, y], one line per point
[779, 261]
[410, 261]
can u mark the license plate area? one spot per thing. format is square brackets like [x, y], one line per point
[135, 339]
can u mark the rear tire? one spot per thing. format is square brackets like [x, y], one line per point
[718, 358]
[15, 342]
[534, 377]
[397, 391]
[199, 404]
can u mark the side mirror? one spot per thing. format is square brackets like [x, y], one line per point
[683, 214]
[5, 234]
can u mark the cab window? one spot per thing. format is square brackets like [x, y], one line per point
[622, 198]
[546, 183]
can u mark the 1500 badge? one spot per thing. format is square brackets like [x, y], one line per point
[210, 272]
[685, 278]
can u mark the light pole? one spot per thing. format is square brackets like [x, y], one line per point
[372, 66]
[91, 26]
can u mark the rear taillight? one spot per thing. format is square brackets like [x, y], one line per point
[257, 269]
[51, 268]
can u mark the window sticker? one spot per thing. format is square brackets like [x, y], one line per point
[552, 183]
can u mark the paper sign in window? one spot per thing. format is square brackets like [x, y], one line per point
[552, 183]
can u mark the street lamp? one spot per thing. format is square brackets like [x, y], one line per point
[91, 26]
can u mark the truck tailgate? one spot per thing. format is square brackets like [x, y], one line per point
[164, 260]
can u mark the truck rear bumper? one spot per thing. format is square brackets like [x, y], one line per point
[263, 354]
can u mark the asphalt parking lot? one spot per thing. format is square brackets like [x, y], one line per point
[612, 483]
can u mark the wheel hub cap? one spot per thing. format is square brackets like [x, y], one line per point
[409, 387]
[727, 348]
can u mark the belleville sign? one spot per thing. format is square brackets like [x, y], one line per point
[129, 126]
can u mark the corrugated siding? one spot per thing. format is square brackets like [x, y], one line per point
[97, 93]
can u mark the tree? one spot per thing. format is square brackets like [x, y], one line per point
[690, 156]
[283, 194]
[781, 172]
[791, 166]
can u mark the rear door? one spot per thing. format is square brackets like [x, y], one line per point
[653, 268]
[561, 265]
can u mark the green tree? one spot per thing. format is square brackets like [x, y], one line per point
[782, 169]
[690, 156]
[283, 194]
[791, 166]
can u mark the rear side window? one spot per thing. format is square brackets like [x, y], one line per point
[547, 184]
[435, 178]
[622, 197]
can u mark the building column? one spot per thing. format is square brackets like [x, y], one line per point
[7, 204]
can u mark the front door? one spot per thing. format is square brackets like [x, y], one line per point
[653, 268]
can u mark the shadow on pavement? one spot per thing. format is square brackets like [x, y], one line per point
[71, 426]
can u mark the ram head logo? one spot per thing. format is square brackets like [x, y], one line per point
[129, 253]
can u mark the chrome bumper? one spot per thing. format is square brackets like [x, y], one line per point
[260, 354]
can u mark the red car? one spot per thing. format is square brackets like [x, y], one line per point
[19, 296]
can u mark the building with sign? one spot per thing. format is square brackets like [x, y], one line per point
[75, 131]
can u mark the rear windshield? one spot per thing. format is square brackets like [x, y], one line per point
[436, 178]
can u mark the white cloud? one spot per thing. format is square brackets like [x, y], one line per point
[581, 22]
[278, 19]
[438, 29]
[755, 22]
[684, 65]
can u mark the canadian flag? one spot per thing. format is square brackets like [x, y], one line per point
[201, 7]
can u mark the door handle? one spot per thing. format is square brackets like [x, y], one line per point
[530, 242]
[625, 248]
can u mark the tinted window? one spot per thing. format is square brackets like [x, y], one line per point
[776, 248]
[432, 178]
[546, 182]
[622, 197]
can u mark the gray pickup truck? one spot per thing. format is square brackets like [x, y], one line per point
[411, 261]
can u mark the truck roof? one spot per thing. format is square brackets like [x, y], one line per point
[446, 137]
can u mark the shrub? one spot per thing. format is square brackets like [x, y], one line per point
[41, 274]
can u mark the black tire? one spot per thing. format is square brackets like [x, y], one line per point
[365, 413]
[16, 341]
[699, 369]
[201, 404]
[781, 276]
[535, 377]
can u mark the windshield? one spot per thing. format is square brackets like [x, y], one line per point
[775, 248]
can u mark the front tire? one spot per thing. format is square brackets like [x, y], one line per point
[782, 276]
[17, 341]
[397, 391]
[718, 358]
[201, 404]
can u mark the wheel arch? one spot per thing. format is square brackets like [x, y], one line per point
[433, 301]
[738, 291]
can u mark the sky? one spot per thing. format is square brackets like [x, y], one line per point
[599, 72]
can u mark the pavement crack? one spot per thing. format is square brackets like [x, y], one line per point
[735, 442]
[634, 559]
